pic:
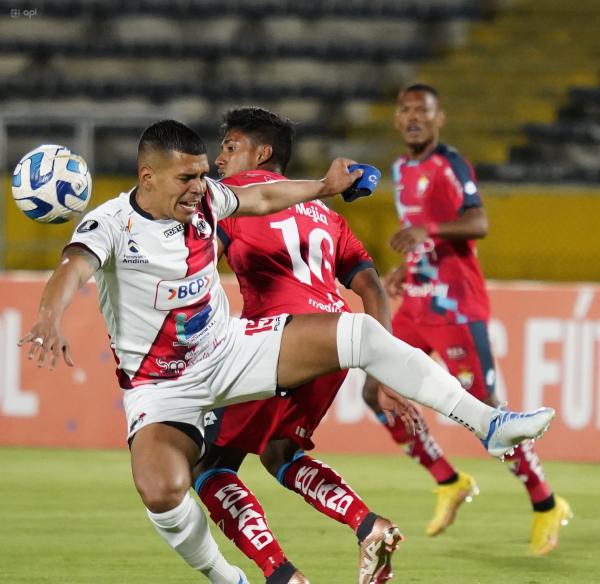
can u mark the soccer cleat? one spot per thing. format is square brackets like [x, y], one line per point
[375, 559]
[449, 499]
[243, 579]
[508, 429]
[546, 525]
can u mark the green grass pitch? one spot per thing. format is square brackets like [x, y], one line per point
[73, 517]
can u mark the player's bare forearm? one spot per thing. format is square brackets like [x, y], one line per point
[472, 224]
[76, 267]
[266, 198]
[367, 285]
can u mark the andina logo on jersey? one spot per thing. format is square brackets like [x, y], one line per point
[135, 256]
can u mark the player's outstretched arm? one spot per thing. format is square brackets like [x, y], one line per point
[77, 266]
[265, 198]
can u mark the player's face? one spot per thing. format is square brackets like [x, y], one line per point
[180, 185]
[418, 118]
[238, 154]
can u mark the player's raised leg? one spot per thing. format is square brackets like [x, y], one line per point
[162, 457]
[316, 344]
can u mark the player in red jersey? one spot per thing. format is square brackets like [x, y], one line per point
[445, 306]
[287, 261]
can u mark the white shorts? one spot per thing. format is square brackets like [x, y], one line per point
[243, 369]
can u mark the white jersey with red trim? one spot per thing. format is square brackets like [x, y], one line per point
[158, 286]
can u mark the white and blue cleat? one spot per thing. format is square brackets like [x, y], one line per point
[243, 579]
[508, 429]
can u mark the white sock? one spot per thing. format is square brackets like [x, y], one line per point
[186, 530]
[363, 342]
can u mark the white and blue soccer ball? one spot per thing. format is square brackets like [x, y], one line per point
[51, 184]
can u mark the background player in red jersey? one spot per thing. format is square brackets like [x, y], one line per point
[445, 306]
[287, 261]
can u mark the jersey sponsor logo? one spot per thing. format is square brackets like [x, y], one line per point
[456, 353]
[426, 290]
[173, 231]
[135, 256]
[88, 225]
[174, 367]
[310, 211]
[190, 330]
[333, 306]
[172, 294]
[250, 522]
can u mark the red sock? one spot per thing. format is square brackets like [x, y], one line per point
[424, 449]
[325, 490]
[239, 515]
[525, 465]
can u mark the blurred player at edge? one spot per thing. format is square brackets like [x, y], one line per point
[152, 251]
[268, 256]
[445, 306]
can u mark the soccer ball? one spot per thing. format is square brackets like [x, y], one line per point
[51, 184]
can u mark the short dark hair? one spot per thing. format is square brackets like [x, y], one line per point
[264, 127]
[171, 136]
[422, 87]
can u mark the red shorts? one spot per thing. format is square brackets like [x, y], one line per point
[464, 348]
[249, 426]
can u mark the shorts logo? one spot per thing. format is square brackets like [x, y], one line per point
[172, 294]
[88, 225]
[138, 420]
[209, 418]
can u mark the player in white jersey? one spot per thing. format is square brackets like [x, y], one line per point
[152, 252]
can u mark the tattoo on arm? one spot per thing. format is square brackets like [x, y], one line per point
[82, 252]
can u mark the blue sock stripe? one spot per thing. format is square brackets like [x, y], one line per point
[199, 483]
[284, 467]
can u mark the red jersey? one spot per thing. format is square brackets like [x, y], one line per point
[444, 281]
[288, 261]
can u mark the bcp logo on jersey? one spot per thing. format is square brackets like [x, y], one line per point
[172, 294]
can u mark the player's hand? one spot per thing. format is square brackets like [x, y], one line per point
[338, 178]
[46, 341]
[394, 280]
[395, 407]
[408, 238]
